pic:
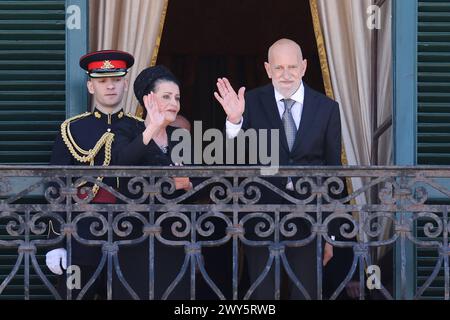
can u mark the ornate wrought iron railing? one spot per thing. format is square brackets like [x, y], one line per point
[228, 206]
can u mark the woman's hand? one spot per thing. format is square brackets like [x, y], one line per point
[154, 121]
[154, 116]
[182, 183]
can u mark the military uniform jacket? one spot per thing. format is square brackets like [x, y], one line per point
[88, 139]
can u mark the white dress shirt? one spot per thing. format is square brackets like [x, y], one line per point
[297, 109]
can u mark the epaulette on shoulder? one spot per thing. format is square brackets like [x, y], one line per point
[75, 118]
[81, 155]
[129, 115]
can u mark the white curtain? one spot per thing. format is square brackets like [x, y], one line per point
[134, 26]
[347, 39]
[348, 44]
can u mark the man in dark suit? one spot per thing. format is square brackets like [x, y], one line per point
[309, 134]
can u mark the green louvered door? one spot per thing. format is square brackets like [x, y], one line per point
[32, 100]
[433, 132]
[434, 83]
[32, 76]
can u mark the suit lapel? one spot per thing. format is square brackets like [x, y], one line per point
[307, 120]
[271, 109]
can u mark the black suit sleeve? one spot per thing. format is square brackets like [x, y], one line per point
[246, 117]
[129, 147]
[333, 138]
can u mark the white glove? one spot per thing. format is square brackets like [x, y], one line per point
[55, 258]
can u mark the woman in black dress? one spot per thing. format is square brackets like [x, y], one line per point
[147, 143]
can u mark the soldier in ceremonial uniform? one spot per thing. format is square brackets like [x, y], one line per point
[87, 139]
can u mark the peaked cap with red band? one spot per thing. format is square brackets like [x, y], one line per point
[106, 63]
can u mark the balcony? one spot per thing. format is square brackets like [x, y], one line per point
[403, 210]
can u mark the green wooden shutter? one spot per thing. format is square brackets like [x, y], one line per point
[426, 261]
[32, 79]
[434, 83]
[433, 134]
[32, 102]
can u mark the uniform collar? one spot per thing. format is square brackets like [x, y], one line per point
[107, 117]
